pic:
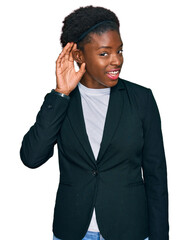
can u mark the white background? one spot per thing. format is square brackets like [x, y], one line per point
[156, 52]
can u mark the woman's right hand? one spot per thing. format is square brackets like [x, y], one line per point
[66, 76]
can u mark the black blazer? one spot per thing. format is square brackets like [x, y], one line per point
[127, 184]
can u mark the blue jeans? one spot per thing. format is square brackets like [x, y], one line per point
[89, 236]
[92, 236]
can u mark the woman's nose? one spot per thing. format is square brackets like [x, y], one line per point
[116, 60]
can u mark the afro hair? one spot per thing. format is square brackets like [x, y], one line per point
[84, 18]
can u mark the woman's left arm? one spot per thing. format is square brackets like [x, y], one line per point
[155, 172]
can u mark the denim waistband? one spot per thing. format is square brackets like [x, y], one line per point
[93, 236]
[89, 236]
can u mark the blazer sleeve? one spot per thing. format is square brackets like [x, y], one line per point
[155, 172]
[38, 143]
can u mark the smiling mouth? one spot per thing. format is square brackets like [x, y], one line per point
[113, 74]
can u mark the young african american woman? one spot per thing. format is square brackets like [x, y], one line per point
[113, 176]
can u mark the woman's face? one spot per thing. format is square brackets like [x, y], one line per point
[103, 58]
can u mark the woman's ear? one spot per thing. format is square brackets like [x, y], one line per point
[78, 56]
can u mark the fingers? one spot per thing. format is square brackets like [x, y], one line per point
[71, 59]
[82, 70]
[60, 57]
[65, 54]
[64, 51]
[68, 51]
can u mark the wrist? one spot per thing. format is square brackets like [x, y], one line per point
[61, 94]
[62, 91]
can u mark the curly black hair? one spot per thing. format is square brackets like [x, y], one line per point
[84, 18]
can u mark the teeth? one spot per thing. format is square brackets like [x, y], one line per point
[114, 72]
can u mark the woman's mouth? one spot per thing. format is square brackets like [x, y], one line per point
[114, 74]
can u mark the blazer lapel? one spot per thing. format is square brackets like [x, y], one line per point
[113, 116]
[76, 117]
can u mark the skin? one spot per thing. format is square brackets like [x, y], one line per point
[101, 55]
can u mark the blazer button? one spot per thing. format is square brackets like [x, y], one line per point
[49, 106]
[94, 173]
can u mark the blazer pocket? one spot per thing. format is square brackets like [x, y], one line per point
[135, 184]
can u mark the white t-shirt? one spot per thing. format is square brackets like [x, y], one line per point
[94, 104]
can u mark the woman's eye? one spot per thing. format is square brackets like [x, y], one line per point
[103, 54]
[120, 51]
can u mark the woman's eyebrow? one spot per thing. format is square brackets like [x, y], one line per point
[109, 46]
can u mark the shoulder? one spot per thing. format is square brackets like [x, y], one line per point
[137, 91]
[141, 96]
[132, 86]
